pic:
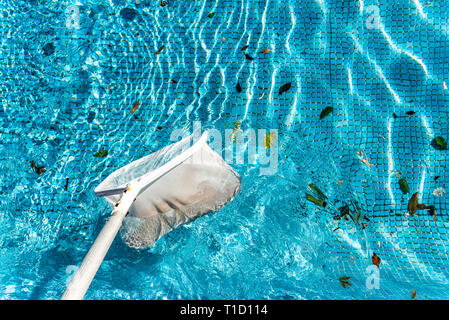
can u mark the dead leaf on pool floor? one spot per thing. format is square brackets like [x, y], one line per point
[285, 87]
[266, 50]
[344, 281]
[376, 260]
[365, 159]
[413, 294]
[160, 49]
[413, 204]
[136, 106]
[39, 170]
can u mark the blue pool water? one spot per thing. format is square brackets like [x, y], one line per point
[68, 84]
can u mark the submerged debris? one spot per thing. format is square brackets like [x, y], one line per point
[238, 88]
[244, 48]
[136, 106]
[211, 15]
[365, 159]
[318, 191]
[163, 3]
[413, 294]
[160, 49]
[318, 202]
[285, 87]
[101, 153]
[37, 169]
[403, 184]
[375, 259]
[266, 50]
[326, 111]
[439, 143]
[410, 113]
[248, 57]
[413, 204]
[318, 197]
[344, 281]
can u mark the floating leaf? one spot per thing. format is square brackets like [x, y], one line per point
[136, 106]
[413, 294]
[395, 116]
[66, 184]
[211, 15]
[160, 49]
[238, 87]
[101, 153]
[375, 259]
[285, 87]
[244, 48]
[344, 281]
[439, 143]
[163, 3]
[413, 204]
[248, 57]
[269, 140]
[403, 184]
[410, 113]
[266, 50]
[326, 111]
[314, 200]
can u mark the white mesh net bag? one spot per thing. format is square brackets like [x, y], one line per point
[178, 184]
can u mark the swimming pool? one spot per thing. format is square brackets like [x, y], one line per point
[71, 72]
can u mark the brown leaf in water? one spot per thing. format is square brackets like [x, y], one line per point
[413, 294]
[244, 48]
[413, 204]
[40, 170]
[376, 260]
[344, 281]
[160, 49]
[410, 113]
[266, 50]
[136, 106]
